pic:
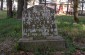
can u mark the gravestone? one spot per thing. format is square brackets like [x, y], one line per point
[39, 29]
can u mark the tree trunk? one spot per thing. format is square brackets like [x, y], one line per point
[76, 11]
[33, 2]
[67, 7]
[20, 9]
[1, 4]
[82, 7]
[9, 9]
[25, 4]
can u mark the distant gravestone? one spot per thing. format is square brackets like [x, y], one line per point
[38, 25]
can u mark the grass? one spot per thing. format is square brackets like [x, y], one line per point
[66, 24]
[11, 28]
[70, 31]
[3, 14]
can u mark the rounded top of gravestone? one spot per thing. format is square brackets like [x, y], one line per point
[40, 7]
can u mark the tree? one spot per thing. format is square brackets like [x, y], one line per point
[82, 6]
[22, 4]
[9, 9]
[33, 2]
[76, 11]
[67, 6]
[1, 4]
[20, 8]
[25, 4]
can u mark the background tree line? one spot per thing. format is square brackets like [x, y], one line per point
[21, 3]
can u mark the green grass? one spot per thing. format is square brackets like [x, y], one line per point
[10, 28]
[66, 24]
[3, 14]
[70, 31]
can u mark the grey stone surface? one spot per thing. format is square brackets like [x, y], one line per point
[39, 21]
[58, 45]
[38, 26]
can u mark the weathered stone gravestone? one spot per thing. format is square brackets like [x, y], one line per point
[39, 29]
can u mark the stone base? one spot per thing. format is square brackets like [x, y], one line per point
[49, 44]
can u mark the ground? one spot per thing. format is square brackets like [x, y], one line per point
[10, 32]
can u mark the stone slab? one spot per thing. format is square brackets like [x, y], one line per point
[32, 45]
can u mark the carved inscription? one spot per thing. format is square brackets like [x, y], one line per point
[38, 21]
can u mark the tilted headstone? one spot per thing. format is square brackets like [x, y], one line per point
[38, 25]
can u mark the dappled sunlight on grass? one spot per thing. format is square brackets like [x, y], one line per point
[3, 14]
[67, 27]
[73, 33]
[66, 23]
[83, 27]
